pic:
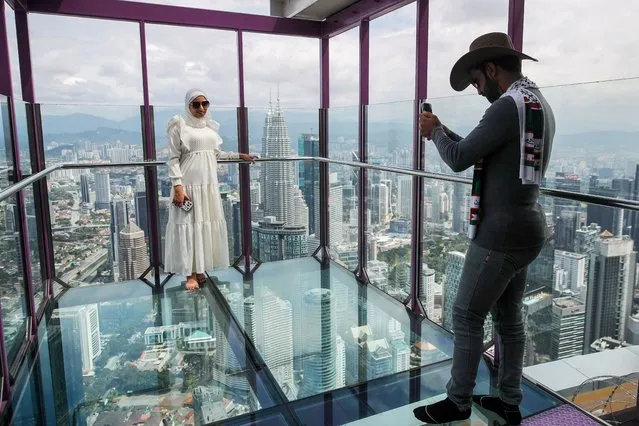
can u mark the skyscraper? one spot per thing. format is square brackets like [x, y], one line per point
[610, 293]
[567, 339]
[102, 190]
[320, 352]
[570, 271]
[141, 212]
[120, 214]
[84, 188]
[82, 321]
[278, 178]
[308, 146]
[404, 196]
[460, 208]
[274, 337]
[133, 257]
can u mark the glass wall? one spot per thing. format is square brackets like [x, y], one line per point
[183, 58]
[281, 69]
[344, 70]
[100, 68]
[12, 38]
[284, 194]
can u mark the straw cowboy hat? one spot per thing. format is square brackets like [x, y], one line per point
[483, 48]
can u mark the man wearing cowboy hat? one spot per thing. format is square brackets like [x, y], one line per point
[509, 149]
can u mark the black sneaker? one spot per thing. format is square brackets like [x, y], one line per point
[507, 412]
[444, 411]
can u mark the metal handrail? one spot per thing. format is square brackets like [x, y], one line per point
[620, 203]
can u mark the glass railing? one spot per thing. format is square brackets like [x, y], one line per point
[390, 134]
[371, 336]
[6, 145]
[389, 232]
[87, 206]
[97, 219]
[343, 214]
[343, 133]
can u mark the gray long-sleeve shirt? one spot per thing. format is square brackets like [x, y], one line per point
[511, 217]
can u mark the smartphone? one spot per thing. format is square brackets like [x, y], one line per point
[187, 205]
[425, 106]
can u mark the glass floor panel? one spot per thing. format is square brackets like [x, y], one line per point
[296, 343]
[318, 329]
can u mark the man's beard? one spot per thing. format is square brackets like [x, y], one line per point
[491, 90]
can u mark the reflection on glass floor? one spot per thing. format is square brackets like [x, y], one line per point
[295, 344]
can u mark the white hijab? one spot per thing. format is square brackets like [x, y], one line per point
[189, 119]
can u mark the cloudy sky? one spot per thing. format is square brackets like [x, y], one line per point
[82, 61]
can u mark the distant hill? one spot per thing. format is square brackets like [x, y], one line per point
[74, 128]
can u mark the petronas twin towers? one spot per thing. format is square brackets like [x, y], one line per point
[282, 197]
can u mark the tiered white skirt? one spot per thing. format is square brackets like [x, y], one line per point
[197, 241]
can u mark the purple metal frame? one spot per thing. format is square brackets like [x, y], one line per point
[324, 225]
[37, 160]
[24, 58]
[245, 172]
[364, 77]
[516, 22]
[417, 231]
[174, 15]
[351, 16]
[7, 89]
[151, 176]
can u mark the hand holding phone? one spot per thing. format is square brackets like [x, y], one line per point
[187, 205]
[427, 122]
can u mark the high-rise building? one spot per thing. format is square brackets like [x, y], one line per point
[460, 207]
[120, 214]
[340, 367]
[102, 190]
[134, 256]
[308, 146]
[565, 182]
[610, 292]
[141, 212]
[274, 337]
[570, 271]
[427, 292]
[565, 227]
[320, 352]
[85, 323]
[379, 204]
[273, 241]
[454, 269]
[278, 178]
[568, 321]
[335, 210]
[586, 239]
[84, 188]
[380, 359]
[404, 207]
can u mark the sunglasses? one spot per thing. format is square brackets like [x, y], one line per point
[197, 104]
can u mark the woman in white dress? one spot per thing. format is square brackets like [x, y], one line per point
[196, 241]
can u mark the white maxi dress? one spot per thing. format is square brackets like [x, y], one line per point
[196, 241]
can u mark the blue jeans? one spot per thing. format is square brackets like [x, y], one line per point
[492, 282]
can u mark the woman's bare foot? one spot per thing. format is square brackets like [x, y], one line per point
[201, 278]
[192, 284]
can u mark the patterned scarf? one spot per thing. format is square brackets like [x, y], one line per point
[531, 131]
